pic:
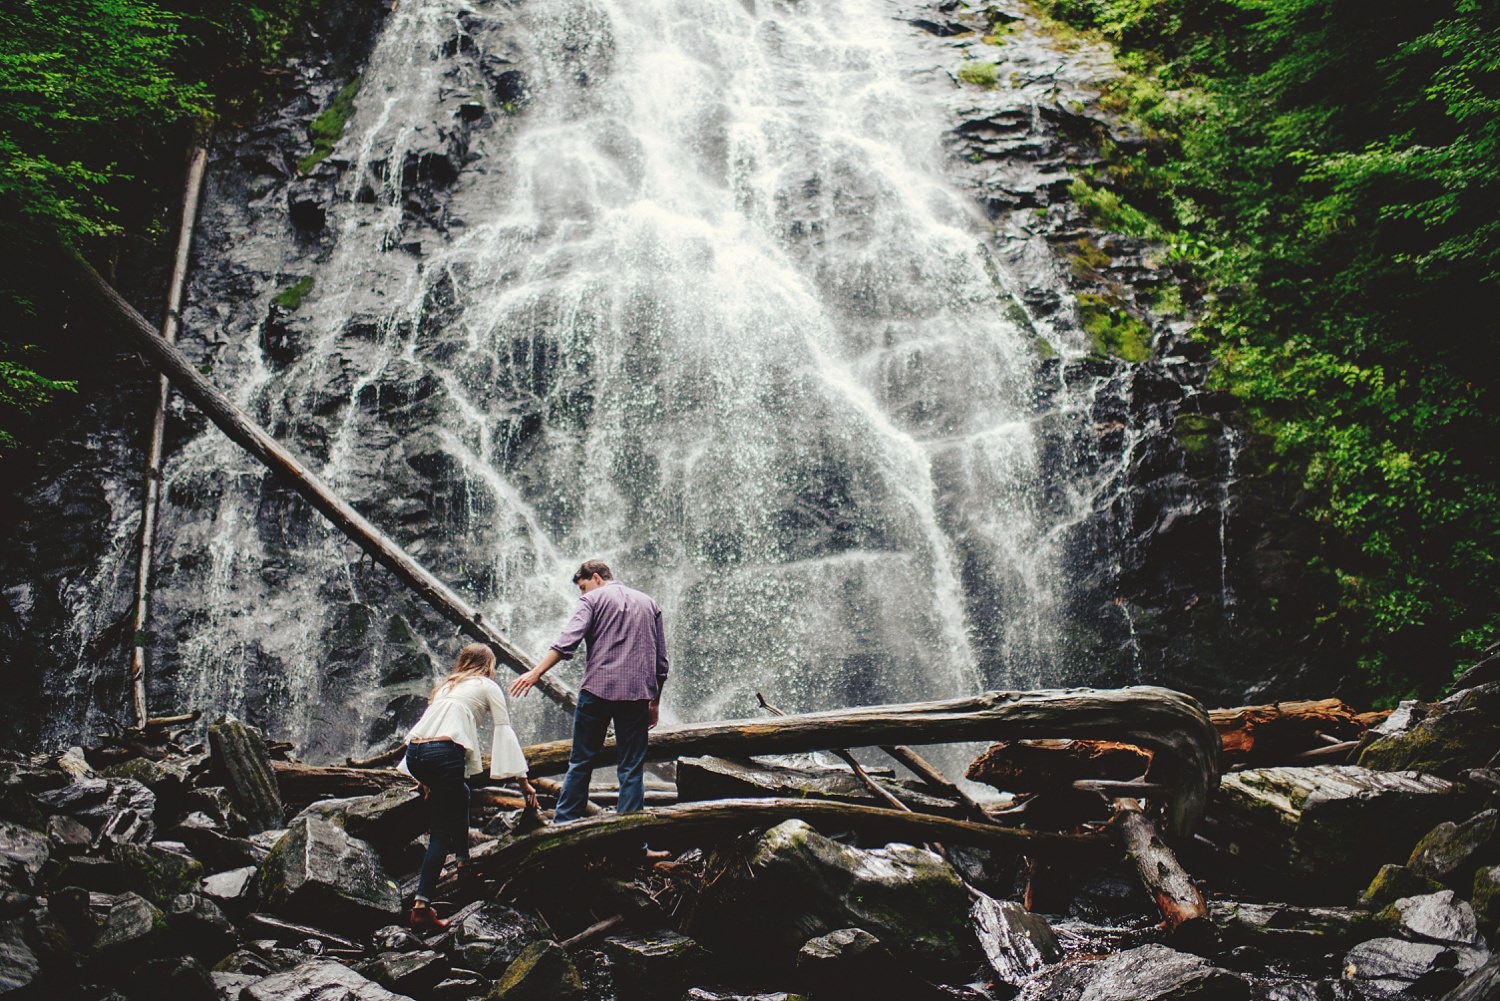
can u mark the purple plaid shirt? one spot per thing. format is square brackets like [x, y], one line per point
[627, 656]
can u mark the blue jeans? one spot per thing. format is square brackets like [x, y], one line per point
[632, 719]
[439, 765]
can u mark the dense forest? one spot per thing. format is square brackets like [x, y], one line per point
[1324, 171]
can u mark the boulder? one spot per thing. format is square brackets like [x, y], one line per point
[229, 985]
[542, 972]
[1485, 897]
[157, 872]
[316, 868]
[168, 780]
[653, 965]
[1145, 973]
[317, 980]
[1016, 942]
[851, 963]
[133, 930]
[199, 927]
[181, 978]
[1396, 968]
[1327, 828]
[389, 820]
[1481, 985]
[1435, 917]
[1454, 735]
[233, 890]
[1451, 853]
[1287, 930]
[416, 972]
[67, 836]
[214, 808]
[492, 937]
[19, 966]
[116, 811]
[1393, 882]
[23, 852]
[240, 758]
[772, 892]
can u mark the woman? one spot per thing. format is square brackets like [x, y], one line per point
[442, 750]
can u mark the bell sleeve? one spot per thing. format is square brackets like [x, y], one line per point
[506, 759]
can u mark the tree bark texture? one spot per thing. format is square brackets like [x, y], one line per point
[1181, 902]
[1275, 734]
[255, 440]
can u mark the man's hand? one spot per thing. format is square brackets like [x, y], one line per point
[654, 711]
[525, 683]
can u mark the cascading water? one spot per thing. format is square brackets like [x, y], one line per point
[696, 294]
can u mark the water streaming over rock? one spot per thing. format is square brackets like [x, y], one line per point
[692, 286]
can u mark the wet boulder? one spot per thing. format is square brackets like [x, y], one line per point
[200, 927]
[240, 758]
[490, 939]
[852, 963]
[772, 892]
[158, 871]
[233, 889]
[1287, 930]
[1485, 897]
[542, 972]
[1481, 985]
[1435, 917]
[23, 852]
[388, 820]
[316, 980]
[1396, 968]
[1145, 973]
[1451, 853]
[115, 811]
[1393, 882]
[181, 978]
[316, 868]
[133, 929]
[1016, 942]
[415, 972]
[651, 965]
[19, 966]
[1327, 828]
[168, 780]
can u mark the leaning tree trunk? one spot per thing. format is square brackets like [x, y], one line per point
[255, 440]
[1169, 723]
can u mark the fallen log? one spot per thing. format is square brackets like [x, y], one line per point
[1274, 734]
[1184, 912]
[874, 788]
[1043, 765]
[690, 823]
[1171, 724]
[250, 436]
[302, 784]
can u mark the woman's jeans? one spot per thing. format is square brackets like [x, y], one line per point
[632, 719]
[439, 765]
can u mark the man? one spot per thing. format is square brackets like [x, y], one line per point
[622, 682]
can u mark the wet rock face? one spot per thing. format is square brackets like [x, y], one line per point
[1166, 571]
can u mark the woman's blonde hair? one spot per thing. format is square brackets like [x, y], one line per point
[474, 661]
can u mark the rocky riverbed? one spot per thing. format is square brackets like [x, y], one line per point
[204, 876]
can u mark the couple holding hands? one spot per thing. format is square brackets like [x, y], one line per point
[622, 681]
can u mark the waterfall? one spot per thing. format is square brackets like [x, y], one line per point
[686, 285]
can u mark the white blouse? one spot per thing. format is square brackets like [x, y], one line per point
[456, 713]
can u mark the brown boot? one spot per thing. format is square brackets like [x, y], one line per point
[424, 917]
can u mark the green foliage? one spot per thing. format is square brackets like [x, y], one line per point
[1113, 330]
[980, 74]
[329, 126]
[291, 297]
[1330, 168]
[98, 99]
